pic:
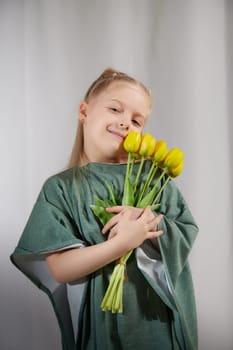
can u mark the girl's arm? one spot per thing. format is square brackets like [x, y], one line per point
[73, 264]
[135, 214]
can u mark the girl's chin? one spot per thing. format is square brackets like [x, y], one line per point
[115, 154]
[123, 158]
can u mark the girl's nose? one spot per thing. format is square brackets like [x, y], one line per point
[124, 124]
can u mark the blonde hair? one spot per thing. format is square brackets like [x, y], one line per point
[108, 76]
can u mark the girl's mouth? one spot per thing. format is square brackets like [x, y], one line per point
[118, 134]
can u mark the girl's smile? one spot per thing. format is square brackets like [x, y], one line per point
[119, 135]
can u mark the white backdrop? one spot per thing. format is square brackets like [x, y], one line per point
[51, 50]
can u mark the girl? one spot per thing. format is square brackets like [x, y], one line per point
[67, 254]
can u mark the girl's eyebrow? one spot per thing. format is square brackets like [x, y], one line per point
[116, 100]
[140, 115]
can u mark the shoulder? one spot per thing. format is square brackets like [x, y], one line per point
[65, 175]
[172, 198]
[172, 190]
[60, 182]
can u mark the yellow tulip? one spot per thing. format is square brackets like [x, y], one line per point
[160, 151]
[173, 158]
[132, 142]
[147, 146]
[175, 171]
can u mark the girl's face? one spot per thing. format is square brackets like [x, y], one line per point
[108, 117]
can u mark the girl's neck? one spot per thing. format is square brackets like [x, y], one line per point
[121, 159]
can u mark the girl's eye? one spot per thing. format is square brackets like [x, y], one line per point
[136, 122]
[115, 110]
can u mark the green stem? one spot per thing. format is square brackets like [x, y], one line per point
[161, 189]
[126, 256]
[155, 168]
[160, 178]
[127, 170]
[112, 195]
[149, 178]
[118, 303]
[109, 295]
[138, 173]
[132, 159]
[113, 297]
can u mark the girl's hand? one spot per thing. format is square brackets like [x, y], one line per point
[135, 213]
[133, 226]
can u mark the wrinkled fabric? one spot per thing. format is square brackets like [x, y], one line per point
[158, 297]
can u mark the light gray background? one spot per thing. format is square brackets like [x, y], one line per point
[50, 51]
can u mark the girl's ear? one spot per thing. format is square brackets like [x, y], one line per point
[82, 111]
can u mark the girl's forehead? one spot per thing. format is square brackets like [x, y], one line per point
[124, 91]
[131, 96]
[123, 87]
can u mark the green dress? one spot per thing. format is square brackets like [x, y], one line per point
[158, 299]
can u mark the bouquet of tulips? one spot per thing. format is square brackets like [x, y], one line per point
[139, 194]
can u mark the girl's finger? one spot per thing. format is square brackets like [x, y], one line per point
[158, 218]
[113, 221]
[154, 234]
[116, 209]
[146, 213]
[152, 225]
[112, 233]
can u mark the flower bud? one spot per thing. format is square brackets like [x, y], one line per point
[132, 142]
[175, 171]
[147, 146]
[173, 158]
[160, 151]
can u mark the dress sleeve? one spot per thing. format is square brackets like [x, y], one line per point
[51, 227]
[179, 229]
[168, 270]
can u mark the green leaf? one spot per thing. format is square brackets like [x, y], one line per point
[128, 196]
[138, 192]
[112, 193]
[104, 202]
[101, 213]
[148, 199]
[155, 207]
